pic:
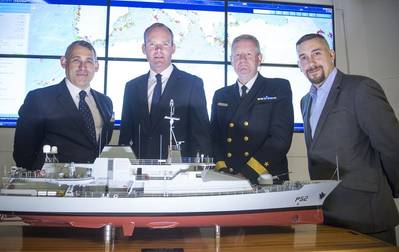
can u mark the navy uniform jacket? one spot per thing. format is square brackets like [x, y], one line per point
[49, 116]
[143, 132]
[358, 133]
[252, 136]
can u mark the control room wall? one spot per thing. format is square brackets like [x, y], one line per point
[367, 43]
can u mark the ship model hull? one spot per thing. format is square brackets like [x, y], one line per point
[119, 190]
[264, 207]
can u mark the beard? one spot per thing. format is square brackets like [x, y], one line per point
[316, 78]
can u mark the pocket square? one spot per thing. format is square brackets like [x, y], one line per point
[222, 104]
[267, 98]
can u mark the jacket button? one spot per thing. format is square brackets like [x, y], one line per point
[231, 125]
[246, 123]
[246, 154]
[229, 155]
[229, 140]
[246, 139]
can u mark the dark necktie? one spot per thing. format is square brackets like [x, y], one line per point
[243, 91]
[86, 115]
[157, 92]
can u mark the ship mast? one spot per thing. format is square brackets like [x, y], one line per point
[172, 136]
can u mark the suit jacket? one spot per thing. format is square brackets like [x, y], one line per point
[142, 131]
[253, 135]
[358, 133]
[50, 116]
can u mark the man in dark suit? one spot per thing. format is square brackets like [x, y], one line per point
[147, 98]
[252, 120]
[351, 131]
[57, 116]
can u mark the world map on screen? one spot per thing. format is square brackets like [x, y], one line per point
[199, 35]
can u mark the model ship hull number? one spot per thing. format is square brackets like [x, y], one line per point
[301, 199]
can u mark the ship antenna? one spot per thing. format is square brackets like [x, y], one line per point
[160, 147]
[99, 144]
[336, 167]
[139, 141]
[336, 161]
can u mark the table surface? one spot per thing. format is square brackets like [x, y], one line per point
[15, 236]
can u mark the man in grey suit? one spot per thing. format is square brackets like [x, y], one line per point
[351, 133]
[147, 98]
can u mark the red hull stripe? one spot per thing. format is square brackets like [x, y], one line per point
[128, 223]
[149, 214]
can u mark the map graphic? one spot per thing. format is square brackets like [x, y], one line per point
[45, 30]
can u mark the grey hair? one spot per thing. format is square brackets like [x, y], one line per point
[82, 43]
[246, 37]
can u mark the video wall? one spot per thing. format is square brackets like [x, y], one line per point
[35, 34]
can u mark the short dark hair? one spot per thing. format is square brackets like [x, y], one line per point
[157, 25]
[246, 37]
[310, 36]
[82, 43]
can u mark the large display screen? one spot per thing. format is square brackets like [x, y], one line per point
[35, 34]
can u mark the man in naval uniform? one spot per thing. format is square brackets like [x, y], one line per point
[252, 120]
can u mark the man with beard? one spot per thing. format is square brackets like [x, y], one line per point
[351, 134]
[252, 120]
[147, 98]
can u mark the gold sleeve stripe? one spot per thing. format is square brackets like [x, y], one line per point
[219, 165]
[256, 166]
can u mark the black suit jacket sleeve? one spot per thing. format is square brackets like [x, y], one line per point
[377, 119]
[126, 128]
[30, 132]
[200, 140]
[216, 133]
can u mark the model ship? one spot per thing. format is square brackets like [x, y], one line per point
[125, 192]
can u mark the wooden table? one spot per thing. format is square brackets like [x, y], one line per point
[18, 237]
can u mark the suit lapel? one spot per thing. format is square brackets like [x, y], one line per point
[334, 92]
[142, 95]
[105, 114]
[307, 102]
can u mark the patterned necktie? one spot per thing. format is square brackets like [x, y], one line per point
[157, 92]
[86, 115]
[243, 91]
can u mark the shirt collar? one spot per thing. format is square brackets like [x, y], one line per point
[74, 90]
[165, 73]
[325, 88]
[249, 84]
